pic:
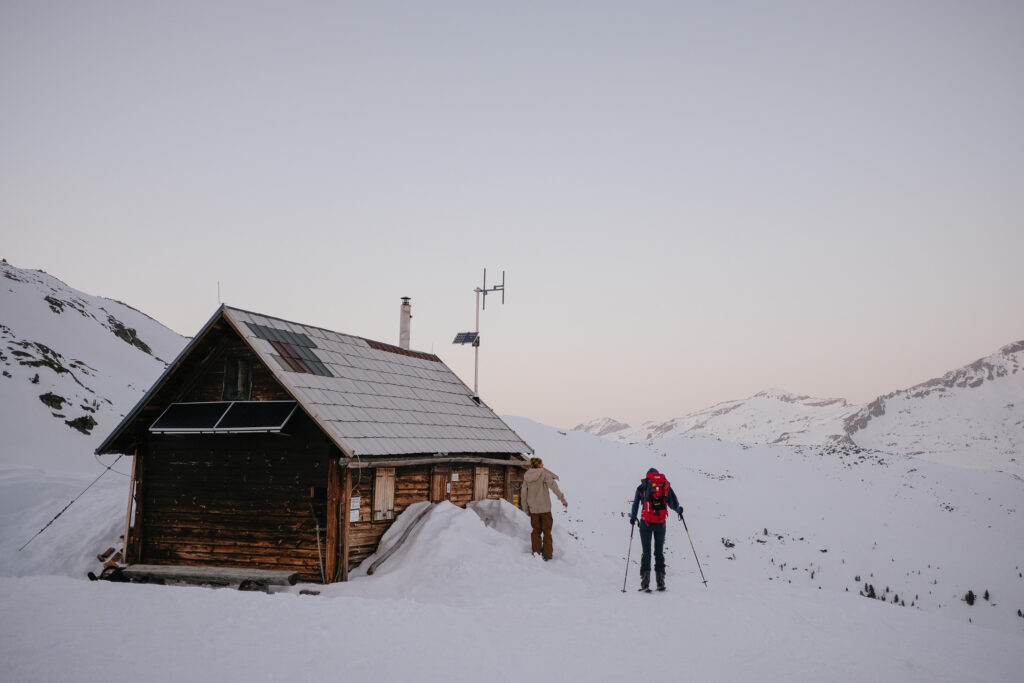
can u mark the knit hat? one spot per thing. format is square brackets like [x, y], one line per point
[536, 462]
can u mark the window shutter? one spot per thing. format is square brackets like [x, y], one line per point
[384, 494]
[440, 484]
[480, 483]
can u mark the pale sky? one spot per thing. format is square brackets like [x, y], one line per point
[692, 201]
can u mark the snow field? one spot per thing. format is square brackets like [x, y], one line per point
[464, 600]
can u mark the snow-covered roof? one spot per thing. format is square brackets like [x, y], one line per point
[370, 398]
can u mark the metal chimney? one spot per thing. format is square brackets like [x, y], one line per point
[404, 322]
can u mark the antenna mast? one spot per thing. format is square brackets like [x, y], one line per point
[474, 337]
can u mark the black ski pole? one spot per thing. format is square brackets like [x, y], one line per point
[694, 549]
[632, 528]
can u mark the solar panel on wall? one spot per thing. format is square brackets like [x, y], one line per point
[190, 416]
[224, 416]
[257, 415]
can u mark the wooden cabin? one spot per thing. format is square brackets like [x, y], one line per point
[272, 445]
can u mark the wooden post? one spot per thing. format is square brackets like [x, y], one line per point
[342, 520]
[333, 497]
[134, 550]
[131, 508]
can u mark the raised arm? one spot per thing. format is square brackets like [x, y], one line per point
[553, 485]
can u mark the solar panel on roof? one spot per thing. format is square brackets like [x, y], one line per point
[279, 335]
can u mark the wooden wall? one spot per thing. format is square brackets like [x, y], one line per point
[209, 385]
[235, 501]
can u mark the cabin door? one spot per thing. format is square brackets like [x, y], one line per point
[440, 483]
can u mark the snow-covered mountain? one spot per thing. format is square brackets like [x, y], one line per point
[71, 366]
[972, 417]
[602, 426]
[771, 416]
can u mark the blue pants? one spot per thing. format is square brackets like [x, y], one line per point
[658, 532]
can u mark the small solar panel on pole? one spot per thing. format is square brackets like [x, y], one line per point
[474, 337]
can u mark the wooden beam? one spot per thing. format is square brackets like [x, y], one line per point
[333, 497]
[214, 575]
[139, 479]
[131, 507]
[342, 521]
[364, 463]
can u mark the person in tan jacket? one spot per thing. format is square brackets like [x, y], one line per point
[535, 500]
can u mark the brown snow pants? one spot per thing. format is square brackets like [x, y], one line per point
[541, 523]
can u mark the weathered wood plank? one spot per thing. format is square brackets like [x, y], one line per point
[133, 545]
[210, 574]
[283, 551]
[344, 531]
[331, 517]
[129, 519]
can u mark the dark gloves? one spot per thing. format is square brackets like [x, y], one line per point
[632, 521]
[680, 514]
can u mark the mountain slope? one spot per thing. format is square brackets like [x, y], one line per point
[771, 416]
[972, 416]
[602, 426]
[71, 365]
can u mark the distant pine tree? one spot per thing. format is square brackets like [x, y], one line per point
[969, 597]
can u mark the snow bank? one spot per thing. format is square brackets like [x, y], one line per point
[477, 556]
[29, 499]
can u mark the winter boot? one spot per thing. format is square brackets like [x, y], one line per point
[660, 576]
[645, 581]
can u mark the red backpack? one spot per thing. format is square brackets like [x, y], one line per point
[655, 509]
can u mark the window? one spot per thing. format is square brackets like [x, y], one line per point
[384, 494]
[237, 379]
[480, 483]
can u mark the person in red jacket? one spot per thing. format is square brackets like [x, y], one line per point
[657, 497]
